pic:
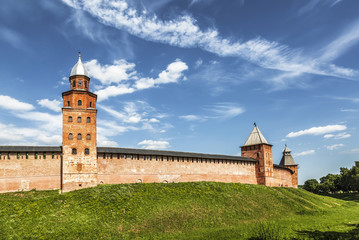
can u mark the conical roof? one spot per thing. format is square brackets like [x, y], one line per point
[256, 137]
[287, 158]
[79, 69]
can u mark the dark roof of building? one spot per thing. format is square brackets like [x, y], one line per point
[171, 153]
[127, 151]
[30, 148]
[287, 159]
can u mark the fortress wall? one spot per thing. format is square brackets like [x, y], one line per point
[114, 169]
[282, 177]
[22, 174]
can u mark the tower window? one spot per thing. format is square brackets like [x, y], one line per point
[80, 83]
[35, 155]
[85, 84]
[74, 83]
[88, 120]
[53, 155]
[87, 151]
[68, 103]
[79, 136]
[79, 103]
[27, 155]
[8, 156]
[74, 151]
[18, 155]
[70, 119]
[70, 136]
[44, 155]
[79, 119]
[90, 104]
[88, 137]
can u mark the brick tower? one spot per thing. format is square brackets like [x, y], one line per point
[258, 148]
[79, 113]
[288, 162]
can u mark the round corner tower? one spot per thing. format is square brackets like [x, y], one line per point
[79, 132]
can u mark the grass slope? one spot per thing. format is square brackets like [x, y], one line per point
[201, 210]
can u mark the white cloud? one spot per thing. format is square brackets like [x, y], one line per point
[304, 153]
[120, 70]
[349, 110]
[334, 146]
[337, 136]
[150, 144]
[317, 130]
[54, 105]
[184, 32]
[10, 103]
[12, 37]
[328, 136]
[14, 135]
[121, 77]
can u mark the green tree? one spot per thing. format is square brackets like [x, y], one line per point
[311, 185]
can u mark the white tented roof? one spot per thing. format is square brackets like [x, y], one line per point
[256, 137]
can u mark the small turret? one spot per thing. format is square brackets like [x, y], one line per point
[287, 159]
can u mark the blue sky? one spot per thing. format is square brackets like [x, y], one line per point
[189, 75]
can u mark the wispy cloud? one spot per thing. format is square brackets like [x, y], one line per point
[219, 111]
[304, 153]
[151, 144]
[313, 4]
[351, 151]
[335, 146]
[226, 110]
[184, 32]
[340, 45]
[193, 118]
[317, 130]
[12, 37]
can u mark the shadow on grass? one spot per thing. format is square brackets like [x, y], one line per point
[332, 235]
[354, 197]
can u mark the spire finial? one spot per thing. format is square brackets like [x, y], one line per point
[79, 54]
[285, 145]
[255, 124]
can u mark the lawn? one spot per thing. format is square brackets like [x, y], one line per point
[200, 210]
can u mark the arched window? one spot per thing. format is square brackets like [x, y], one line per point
[87, 151]
[70, 119]
[80, 83]
[68, 103]
[79, 103]
[79, 136]
[27, 155]
[90, 104]
[70, 136]
[74, 151]
[74, 83]
[44, 155]
[35, 155]
[79, 119]
[88, 120]
[85, 84]
[88, 137]
[18, 155]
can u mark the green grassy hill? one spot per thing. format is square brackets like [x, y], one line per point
[202, 210]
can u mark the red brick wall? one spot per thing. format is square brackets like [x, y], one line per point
[17, 174]
[282, 178]
[172, 169]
